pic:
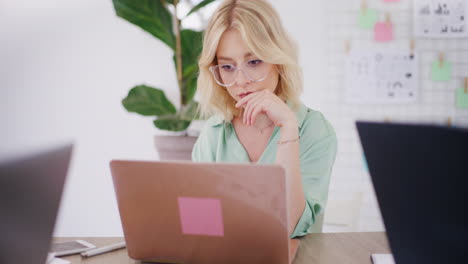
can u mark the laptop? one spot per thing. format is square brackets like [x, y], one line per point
[420, 173]
[30, 192]
[184, 212]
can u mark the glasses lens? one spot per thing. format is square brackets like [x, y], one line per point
[226, 74]
[256, 70]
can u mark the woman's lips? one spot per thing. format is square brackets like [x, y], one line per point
[242, 95]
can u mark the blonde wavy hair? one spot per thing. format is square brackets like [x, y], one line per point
[261, 29]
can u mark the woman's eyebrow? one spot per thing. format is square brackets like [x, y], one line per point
[248, 54]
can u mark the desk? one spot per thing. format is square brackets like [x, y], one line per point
[313, 248]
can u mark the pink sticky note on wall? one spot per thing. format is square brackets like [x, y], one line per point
[383, 32]
[201, 216]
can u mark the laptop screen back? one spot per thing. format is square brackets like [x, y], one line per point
[419, 173]
[30, 192]
[184, 212]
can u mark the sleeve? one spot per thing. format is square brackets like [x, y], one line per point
[317, 156]
[204, 148]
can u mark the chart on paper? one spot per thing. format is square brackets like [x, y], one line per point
[381, 77]
[440, 18]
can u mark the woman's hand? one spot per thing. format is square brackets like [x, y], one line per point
[266, 102]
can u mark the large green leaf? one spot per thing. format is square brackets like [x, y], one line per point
[148, 101]
[191, 42]
[190, 87]
[171, 123]
[200, 5]
[150, 15]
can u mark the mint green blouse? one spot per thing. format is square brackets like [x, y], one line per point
[218, 142]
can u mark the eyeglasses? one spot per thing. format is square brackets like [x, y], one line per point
[226, 74]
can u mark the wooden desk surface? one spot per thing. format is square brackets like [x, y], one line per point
[313, 248]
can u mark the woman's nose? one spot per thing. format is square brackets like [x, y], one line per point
[242, 78]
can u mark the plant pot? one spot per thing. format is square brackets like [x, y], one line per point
[174, 147]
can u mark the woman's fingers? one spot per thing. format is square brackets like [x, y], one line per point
[245, 99]
[253, 102]
[255, 111]
[257, 102]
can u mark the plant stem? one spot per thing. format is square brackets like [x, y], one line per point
[178, 52]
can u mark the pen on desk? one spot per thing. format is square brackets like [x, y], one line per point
[104, 249]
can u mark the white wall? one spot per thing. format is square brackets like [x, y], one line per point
[64, 68]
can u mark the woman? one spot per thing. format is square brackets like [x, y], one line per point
[249, 85]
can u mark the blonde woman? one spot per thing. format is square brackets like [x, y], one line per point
[249, 86]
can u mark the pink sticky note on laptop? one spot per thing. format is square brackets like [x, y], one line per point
[383, 32]
[201, 216]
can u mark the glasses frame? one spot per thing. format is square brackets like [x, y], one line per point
[237, 69]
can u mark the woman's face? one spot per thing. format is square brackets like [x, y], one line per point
[233, 51]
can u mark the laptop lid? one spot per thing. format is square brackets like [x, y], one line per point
[419, 173]
[30, 192]
[184, 212]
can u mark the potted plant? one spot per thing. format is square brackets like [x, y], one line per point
[161, 19]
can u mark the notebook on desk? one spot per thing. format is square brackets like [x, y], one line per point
[184, 212]
[419, 173]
